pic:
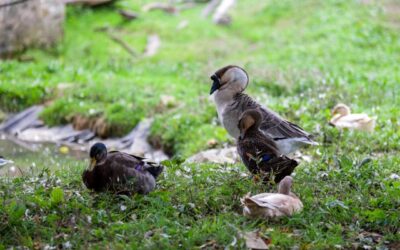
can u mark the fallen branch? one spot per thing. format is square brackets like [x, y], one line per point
[123, 44]
[118, 40]
[88, 2]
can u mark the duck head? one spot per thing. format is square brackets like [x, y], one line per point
[230, 79]
[341, 109]
[249, 119]
[285, 185]
[98, 153]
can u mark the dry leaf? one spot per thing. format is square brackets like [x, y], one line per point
[255, 241]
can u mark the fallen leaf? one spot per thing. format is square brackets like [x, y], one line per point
[255, 241]
[149, 234]
[208, 244]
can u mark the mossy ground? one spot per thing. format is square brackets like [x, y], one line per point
[302, 57]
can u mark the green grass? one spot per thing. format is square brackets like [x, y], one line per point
[303, 57]
[344, 197]
[310, 54]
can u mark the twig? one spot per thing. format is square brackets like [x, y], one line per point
[128, 15]
[124, 45]
[88, 2]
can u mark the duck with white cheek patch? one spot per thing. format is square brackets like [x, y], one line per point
[228, 85]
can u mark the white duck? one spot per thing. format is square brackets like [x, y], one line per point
[343, 118]
[271, 205]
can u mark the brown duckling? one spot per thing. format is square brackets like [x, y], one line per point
[258, 151]
[120, 172]
[270, 205]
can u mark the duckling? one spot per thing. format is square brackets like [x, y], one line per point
[342, 118]
[228, 86]
[270, 205]
[119, 172]
[258, 151]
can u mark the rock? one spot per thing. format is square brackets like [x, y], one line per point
[26, 24]
[23, 120]
[26, 126]
[219, 156]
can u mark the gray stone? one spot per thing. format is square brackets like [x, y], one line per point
[29, 23]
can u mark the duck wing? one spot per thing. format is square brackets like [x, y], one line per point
[257, 146]
[245, 149]
[124, 157]
[272, 124]
[127, 174]
[279, 204]
[133, 158]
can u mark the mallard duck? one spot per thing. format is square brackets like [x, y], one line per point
[270, 205]
[228, 85]
[343, 118]
[119, 172]
[259, 151]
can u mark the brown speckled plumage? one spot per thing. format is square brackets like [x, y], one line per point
[252, 145]
[271, 123]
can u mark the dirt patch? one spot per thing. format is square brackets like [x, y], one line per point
[98, 125]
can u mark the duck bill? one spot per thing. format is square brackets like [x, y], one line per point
[216, 84]
[92, 164]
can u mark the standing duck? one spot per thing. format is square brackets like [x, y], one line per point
[271, 205]
[228, 85]
[119, 172]
[343, 118]
[258, 151]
